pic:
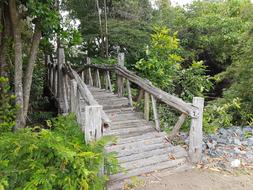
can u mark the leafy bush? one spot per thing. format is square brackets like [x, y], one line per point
[52, 159]
[163, 67]
[218, 115]
[7, 108]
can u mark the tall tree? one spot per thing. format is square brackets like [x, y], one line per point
[44, 19]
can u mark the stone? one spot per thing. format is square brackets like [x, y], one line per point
[237, 142]
[245, 143]
[238, 151]
[250, 141]
[222, 141]
[235, 163]
[211, 144]
[238, 131]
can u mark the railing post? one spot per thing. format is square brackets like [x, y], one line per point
[73, 96]
[156, 118]
[146, 106]
[61, 91]
[121, 60]
[195, 144]
[89, 72]
[92, 127]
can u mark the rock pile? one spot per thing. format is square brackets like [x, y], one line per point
[228, 148]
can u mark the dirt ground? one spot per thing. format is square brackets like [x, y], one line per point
[196, 179]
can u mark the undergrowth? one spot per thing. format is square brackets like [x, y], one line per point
[53, 159]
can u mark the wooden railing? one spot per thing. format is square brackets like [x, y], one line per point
[68, 86]
[100, 75]
[72, 95]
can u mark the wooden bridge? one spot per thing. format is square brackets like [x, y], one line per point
[101, 98]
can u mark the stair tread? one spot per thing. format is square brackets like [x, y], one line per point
[147, 169]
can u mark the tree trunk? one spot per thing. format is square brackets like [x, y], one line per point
[101, 30]
[4, 34]
[106, 31]
[20, 119]
[30, 67]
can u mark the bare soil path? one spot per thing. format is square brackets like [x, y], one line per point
[199, 180]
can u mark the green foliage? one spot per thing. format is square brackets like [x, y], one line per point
[7, 108]
[163, 61]
[217, 115]
[164, 69]
[52, 159]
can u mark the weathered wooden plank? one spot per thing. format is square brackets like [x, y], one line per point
[169, 99]
[196, 133]
[156, 118]
[129, 92]
[148, 169]
[178, 125]
[109, 81]
[145, 162]
[120, 83]
[142, 155]
[90, 77]
[98, 79]
[135, 145]
[93, 123]
[61, 91]
[73, 96]
[128, 131]
[86, 94]
[146, 105]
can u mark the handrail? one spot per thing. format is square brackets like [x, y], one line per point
[84, 91]
[173, 101]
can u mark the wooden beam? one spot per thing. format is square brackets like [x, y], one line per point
[159, 94]
[90, 77]
[109, 83]
[129, 93]
[98, 78]
[93, 123]
[196, 133]
[61, 91]
[177, 127]
[146, 106]
[120, 83]
[73, 96]
[156, 118]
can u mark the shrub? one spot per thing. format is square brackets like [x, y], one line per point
[52, 159]
[7, 108]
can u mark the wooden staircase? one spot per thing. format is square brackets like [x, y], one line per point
[87, 92]
[140, 148]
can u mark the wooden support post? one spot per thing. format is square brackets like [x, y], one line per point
[73, 96]
[55, 80]
[90, 77]
[109, 80]
[156, 118]
[61, 91]
[129, 92]
[195, 144]
[98, 79]
[120, 85]
[82, 76]
[48, 64]
[93, 123]
[89, 72]
[177, 127]
[146, 106]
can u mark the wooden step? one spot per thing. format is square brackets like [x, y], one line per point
[142, 155]
[147, 169]
[135, 145]
[140, 137]
[129, 131]
[143, 149]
